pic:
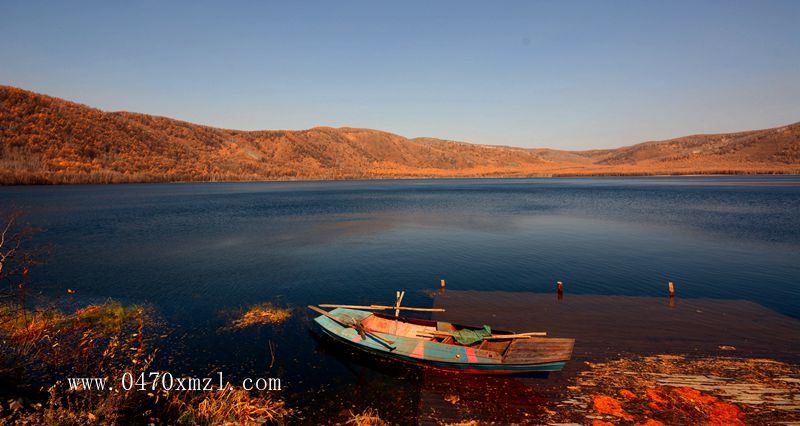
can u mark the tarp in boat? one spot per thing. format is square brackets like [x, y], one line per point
[468, 337]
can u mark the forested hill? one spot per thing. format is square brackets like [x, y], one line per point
[49, 140]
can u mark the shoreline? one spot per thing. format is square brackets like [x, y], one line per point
[427, 177]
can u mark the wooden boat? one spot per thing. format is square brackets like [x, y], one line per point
[432, 343]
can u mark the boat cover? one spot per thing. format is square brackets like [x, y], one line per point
[468, 337]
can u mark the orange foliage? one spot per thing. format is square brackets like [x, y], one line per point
[724, 414]
[657, 397]
[607, 405]
[669, 402]
[49, 140]
[693, 395]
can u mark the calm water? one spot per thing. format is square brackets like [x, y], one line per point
[194, 251]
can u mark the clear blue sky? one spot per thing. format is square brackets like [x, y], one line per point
[562, 74]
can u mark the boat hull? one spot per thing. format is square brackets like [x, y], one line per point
[429, 354]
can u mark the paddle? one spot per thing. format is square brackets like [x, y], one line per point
[492, 337]
[381, 307]
[363, 331]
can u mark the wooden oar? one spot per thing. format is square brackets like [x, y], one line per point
[381, 308]
[353, 324]
[517, 336]
[492, 337]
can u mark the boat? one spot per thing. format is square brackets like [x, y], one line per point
[443, 345]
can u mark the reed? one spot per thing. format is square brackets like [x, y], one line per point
[235, 406]
[45, 344]
[262, 314]
[368, 417]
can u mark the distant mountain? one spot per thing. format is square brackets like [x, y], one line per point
[49, 140]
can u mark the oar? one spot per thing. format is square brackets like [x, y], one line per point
[517, 336]
[381, 308]
[494, 336]
[354, 325]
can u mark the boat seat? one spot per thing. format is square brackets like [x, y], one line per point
[498, 346]
[398, 328]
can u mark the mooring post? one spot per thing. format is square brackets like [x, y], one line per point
[560, 287]
[671, 294]
[442, 283]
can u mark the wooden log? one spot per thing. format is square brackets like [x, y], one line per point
[381, 307]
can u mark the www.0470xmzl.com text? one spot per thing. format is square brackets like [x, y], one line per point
[155, 381]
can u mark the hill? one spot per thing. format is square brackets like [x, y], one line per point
[49, 140]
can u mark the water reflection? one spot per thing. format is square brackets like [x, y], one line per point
[409, 394]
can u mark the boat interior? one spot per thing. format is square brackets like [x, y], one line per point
[430, 330]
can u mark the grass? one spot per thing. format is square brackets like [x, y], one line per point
[107, 340]
[262, 314]
[110, 316]
[23, 326]
[368, 417]
[236, 406]
[48, 339]
[45, 344]
[187, 408]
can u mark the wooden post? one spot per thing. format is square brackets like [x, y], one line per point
[442, 283]
[560, 287]
[671, 294]
[398, 301]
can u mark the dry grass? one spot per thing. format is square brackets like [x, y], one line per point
[85, 339]
[263, 314]
[368, 417]
[105, 341]
[102, 340]
[228, 407]
[671, 389]
[235, 406]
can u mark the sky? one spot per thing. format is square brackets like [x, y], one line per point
[559, 74]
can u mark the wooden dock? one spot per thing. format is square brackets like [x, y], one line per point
[605, 328]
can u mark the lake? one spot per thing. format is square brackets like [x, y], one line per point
[197, 251]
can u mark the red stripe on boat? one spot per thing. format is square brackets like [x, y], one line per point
[419, 350]
[471, 355]
[356, 339]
